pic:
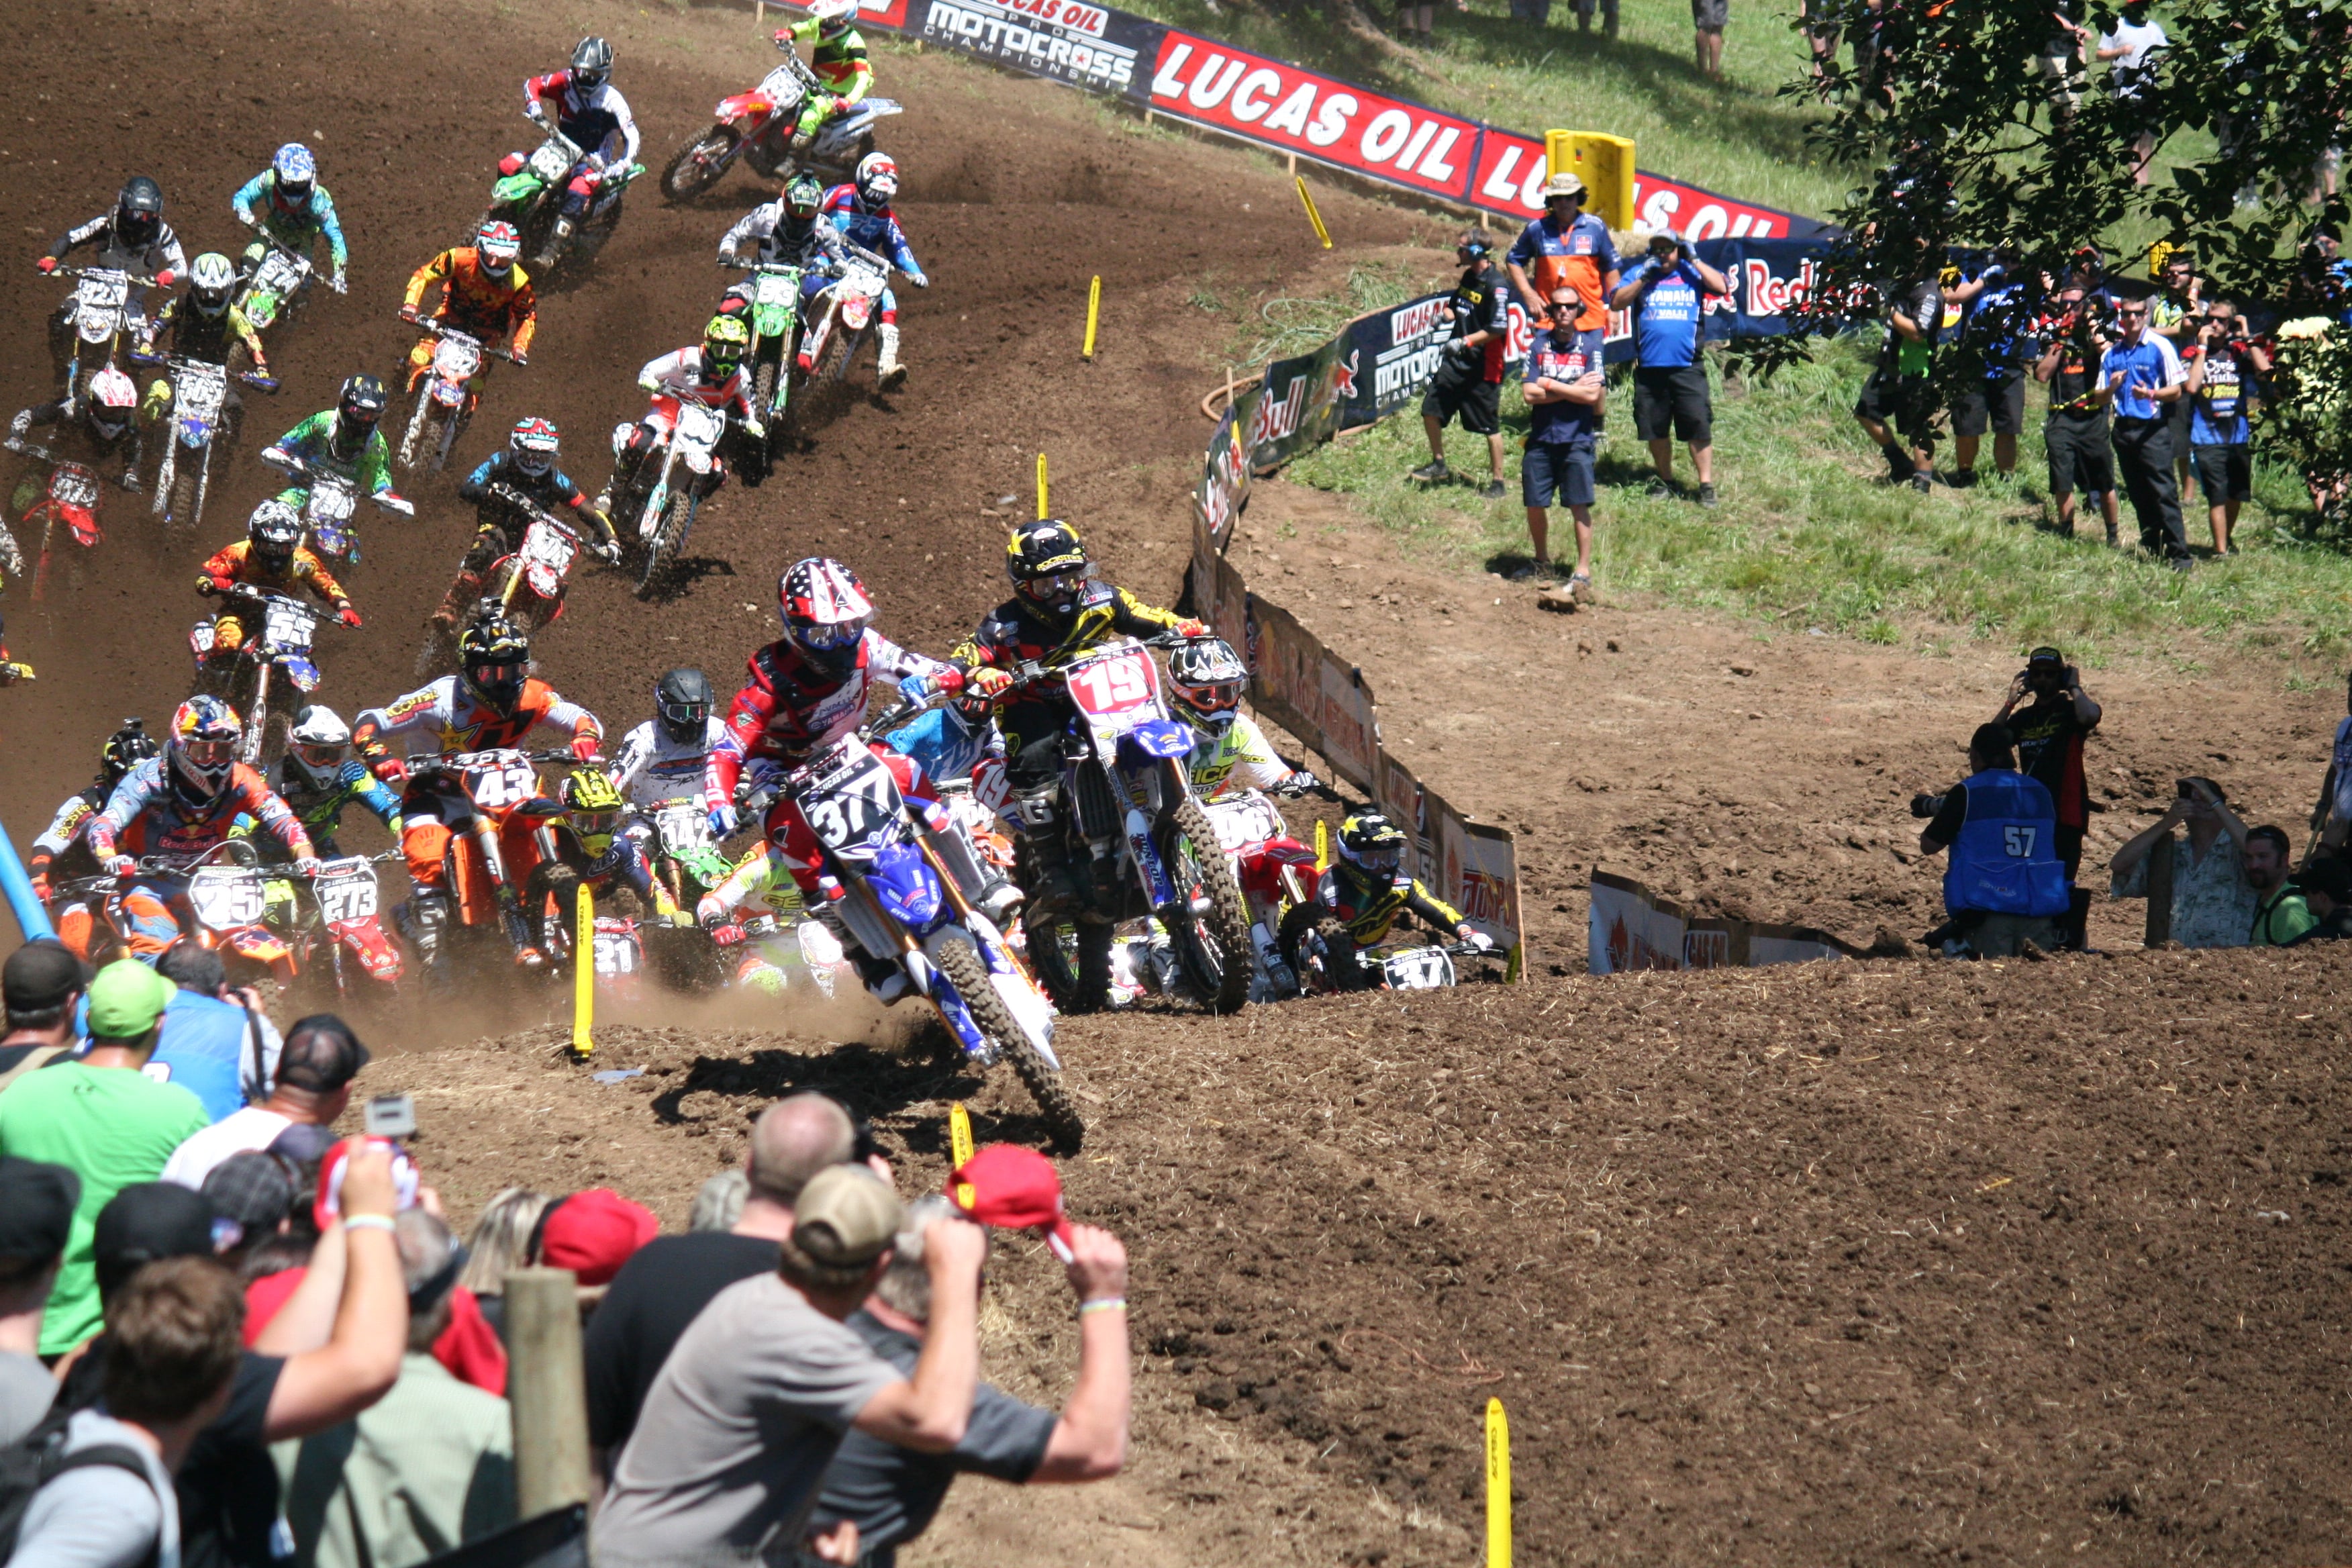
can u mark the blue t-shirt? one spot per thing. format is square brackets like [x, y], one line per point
[1666, 325]
[1999, 344]
[2217, 415]
[202, 1050]
[2151, 362]
[1561, 424]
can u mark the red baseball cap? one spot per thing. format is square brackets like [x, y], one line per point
[594, 1232]
[1015, 1188]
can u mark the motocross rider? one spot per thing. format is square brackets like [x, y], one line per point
[712, 375]
[590, 113]
[1056, 610]
[1366, 886]
[493, 703]
[666, 757]
[272, 557]
[131, 238]
[285, 206]
[185, 802]
[839, 61]
[107, 428]
[765, 959]
[317, 777]
[861, 211]
[789, 231]
[344, 440]
[1231, 752]
[205, 323]
[527, 468]
[809, 688]
[62, 852]
[484, 294]
[597, 814]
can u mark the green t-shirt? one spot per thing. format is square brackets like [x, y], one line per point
[112, 1128]
[2282, 917]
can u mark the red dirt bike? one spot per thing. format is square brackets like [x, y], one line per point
[70, 498]
[757, 127]
[446, 394]
[339, 935]
[528, 583]
[1277, 873]
[502, 874]
[226, 908]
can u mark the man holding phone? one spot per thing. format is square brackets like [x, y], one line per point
[2050, 716]
[1668, 290]
[2212, 900]
[2221, 385]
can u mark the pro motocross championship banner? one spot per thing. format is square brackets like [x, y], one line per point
[1294, 110]
[1633, 928]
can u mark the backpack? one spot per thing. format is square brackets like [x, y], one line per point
[38, 1457]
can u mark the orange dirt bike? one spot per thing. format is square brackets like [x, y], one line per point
[504, 884]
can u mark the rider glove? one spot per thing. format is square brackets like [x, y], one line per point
[46, 264]
[584, 747]
[391, 769]
[919, 688]
[1191, 628]
[41, 885]
[723, 820]
[348, 616]
[121, 865]
[988, 682]
[309, 866]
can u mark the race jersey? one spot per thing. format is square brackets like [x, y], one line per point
[447, 717]
[320, 806]
[1481, 303]
[597, 121]
[2217, 415]
[2004, 858]
[650, 767]
[1562, 423]
[157, 255]
[780, 240]
[313, 441]
[1236, 757]
[146, 815]
[1581, 257]
[1666, 320]
[1370, 902]
[236, 565]
[63, 847]
[789, 709]
[876, 231]
[551, 487]
[623, 860]
[679, 375]
[839, 61]
[763, 875]
[297, 226]
[192, 335]
[473, 303]
[947, 742]
[1020, 631]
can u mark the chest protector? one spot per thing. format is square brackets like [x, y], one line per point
[2005, 861]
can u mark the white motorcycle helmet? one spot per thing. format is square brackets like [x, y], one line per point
[878, 180]
[113, 403]
[318, 744]
[1206, 677]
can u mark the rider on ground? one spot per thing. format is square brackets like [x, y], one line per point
[861, 211]
[62, 853]
[270, 558]
[285, 206]
[1231, 752]
[710, 374]
[590, 111]
[183, 805]
[1366, 886]
[526, 467]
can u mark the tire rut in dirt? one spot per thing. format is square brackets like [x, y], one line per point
[1228, 917]
[960, 962]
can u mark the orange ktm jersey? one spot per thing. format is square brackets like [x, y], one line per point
[473, 303]
[238, 565]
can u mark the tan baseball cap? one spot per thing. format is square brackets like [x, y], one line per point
[845, 1217]
[1564, 184]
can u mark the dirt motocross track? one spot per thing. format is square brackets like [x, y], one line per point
[1881, 1262]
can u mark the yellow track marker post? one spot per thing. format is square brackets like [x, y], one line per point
[1498, 1486]
[583, 974]
[1322, 847]
[1042, 513]
[1312, 216]
[959, 1149]
[1094, 313]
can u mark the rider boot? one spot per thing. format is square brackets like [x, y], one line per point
[1049, 857]
[517, 928]
[992, 894]
[461, 596]
[890, 371]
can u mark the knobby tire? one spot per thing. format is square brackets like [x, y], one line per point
[683, 177]
[961, 963]
[1227, 920]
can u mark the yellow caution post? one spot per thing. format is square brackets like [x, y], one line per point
[1498, 1486]
[1094, 313]
[1605, 165]
[959, 1149]
[583, 974]
[1322, 847]
[1307, 200]
[1042, 513]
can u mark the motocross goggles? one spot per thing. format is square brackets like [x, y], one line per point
[599, 825]
[208, 753]
[1212, 699]
[1055, 584]
[1386, 858]
[832, 637]
[495, 676]
[684, 716]
[320, 758]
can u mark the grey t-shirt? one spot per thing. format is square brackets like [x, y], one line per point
[101, 1516]
[26, 1390]
[736, 1432]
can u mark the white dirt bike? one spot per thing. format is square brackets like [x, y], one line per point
[667, 511]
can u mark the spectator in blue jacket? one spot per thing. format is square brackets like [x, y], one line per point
[2005, 885]
[219, 1044]
[2142, 376]
[1668, 290]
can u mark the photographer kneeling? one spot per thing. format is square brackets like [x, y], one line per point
[2005, 885]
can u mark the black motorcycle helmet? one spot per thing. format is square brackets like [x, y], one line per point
[125, 750]
[682, 702]
[1047, 563]
[495, 654]
[359, 408]
[139, 212]
[591, 64]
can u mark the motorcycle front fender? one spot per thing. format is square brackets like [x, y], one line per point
[744, 114]
[366, 941]
[517, 190]
[303, 673]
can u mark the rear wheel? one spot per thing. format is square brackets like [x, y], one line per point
[963, 967]
[661, 553]
[415, 432]
[184, 501]
[1320, 951]
[696, 167]
[1214, 945]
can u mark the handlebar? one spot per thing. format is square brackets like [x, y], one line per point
[136, 280]
[295, 467]
[442, 330]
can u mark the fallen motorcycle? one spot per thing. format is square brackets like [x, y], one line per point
[756, 128]
[330, 509]
[445, 396]
[1327, 959]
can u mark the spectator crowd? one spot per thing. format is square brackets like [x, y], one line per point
[230, 1336]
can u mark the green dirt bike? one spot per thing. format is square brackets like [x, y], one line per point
[684, 857]
[530, 196]
[776, 320]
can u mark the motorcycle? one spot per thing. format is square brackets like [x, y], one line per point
[1327, 959]
[70, 497]
[664, 515]
[529, 583]
[200, 421]
[686, 859]
[338, 932]
[330, 510]
[227, 894]
[102, 312]
[277, 288]
[1137, 838]
[530, 194]
[1277, 873]
[446, 393]
[282, 641]
[507, 884]
[899, 903]
[849, 305]
[757, 127]
[775, 340]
